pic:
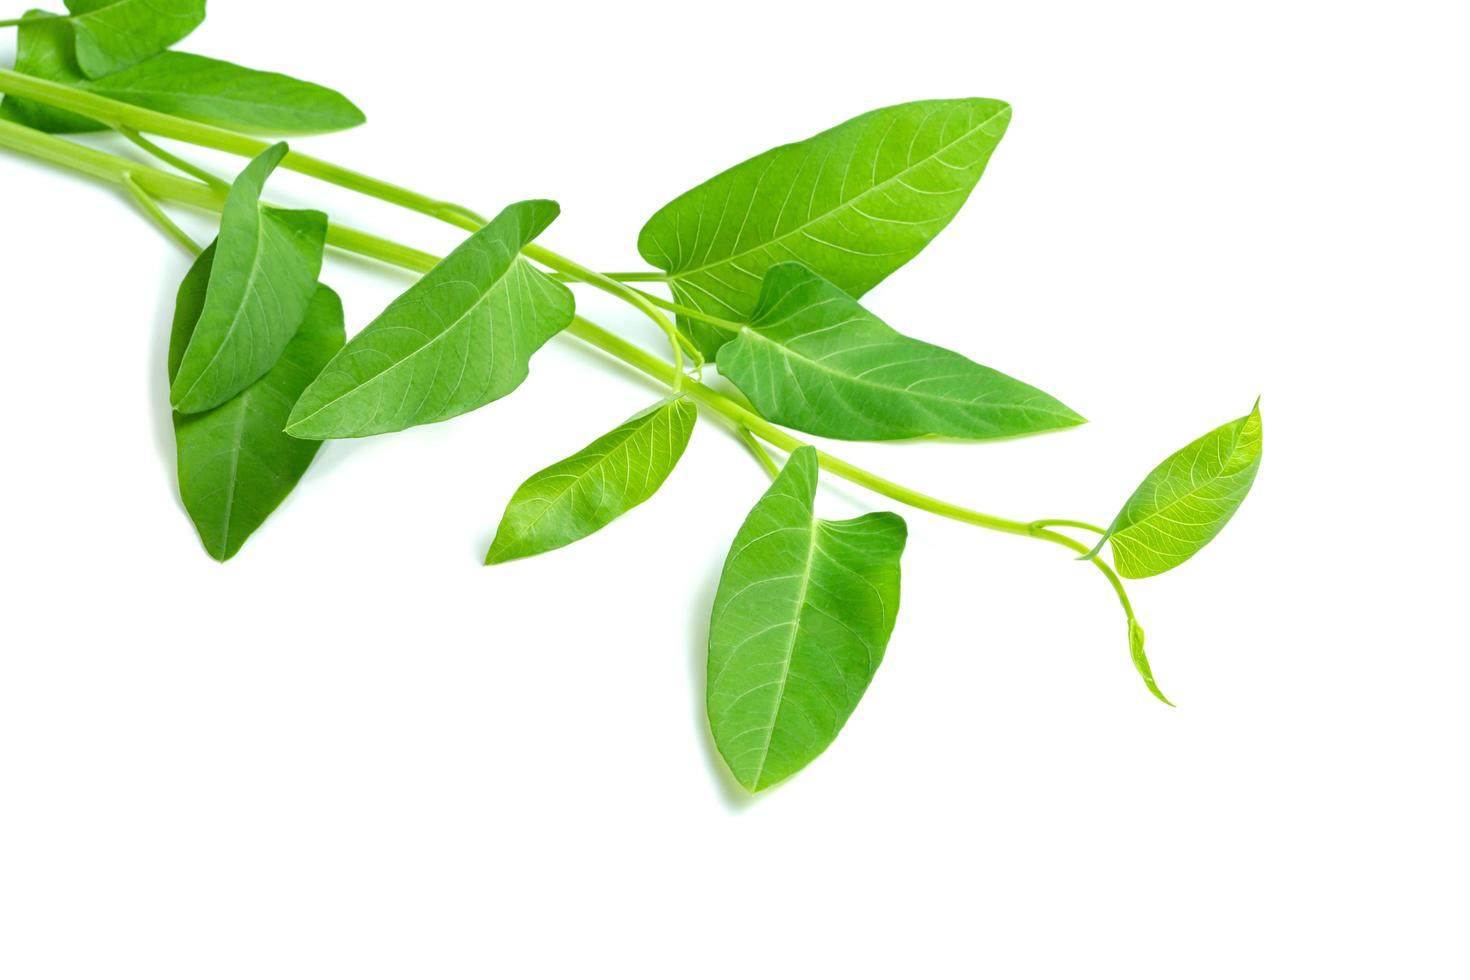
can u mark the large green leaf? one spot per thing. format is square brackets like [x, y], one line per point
[1187, 499]
[812, 358]
[264, 273]
[459, 338]
[114, 34]
[853, 203]
[185, 85]
[584, 492]
[235, 463]
[801, 619]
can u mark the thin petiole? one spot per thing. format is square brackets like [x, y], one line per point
[757, 450]
[1058, 522]
[150, 207]
[13, 21]
[628, 294]
[177, 162]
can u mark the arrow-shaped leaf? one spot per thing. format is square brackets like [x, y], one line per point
[113, 34]
[852, 203]
[801, 619]
[1187, 499]
[235, 463]
[180, 84]
[814, 359]
[583, 493]
[265, 268]
[459, 338]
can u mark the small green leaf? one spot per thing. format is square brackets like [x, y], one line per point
[852, 203]
[264, 273]
[583, 493]
[184, 85]
[235, 463]
[459, 338]
[114, 34]
[1140, 660]
[801, 619]
[812, 358]
[1186, 500]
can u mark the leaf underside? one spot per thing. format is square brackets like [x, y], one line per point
[235, 462]
[114, 34]
[1187, 499]
[585, 492]
[801, 619]
[852, 203]
[184, 85]
[814, 359]
[264, 274]
[459, 338]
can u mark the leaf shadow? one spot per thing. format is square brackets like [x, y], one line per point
[733, 795]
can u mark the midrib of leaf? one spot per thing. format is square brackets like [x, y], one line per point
[241, 414]
[860, 380]
[806, 581]
[850, 203]
[244, 294]
[484, 294]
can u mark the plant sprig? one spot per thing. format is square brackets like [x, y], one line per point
[766, 263]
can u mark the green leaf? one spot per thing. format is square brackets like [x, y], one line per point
[459, 338]
[1186, 500]
[584, 492]
[264, 274]
[235, 463]
[43, 49]
[812, 358]
[801, 619]
[1140, 660]
[114, 34]
[184, 85]
[853, 203]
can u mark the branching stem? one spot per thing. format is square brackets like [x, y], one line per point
[148, 184]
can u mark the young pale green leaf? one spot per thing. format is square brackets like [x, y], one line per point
[459, 338]
[1186, 500]
[113, 34]
[264, 273]
[853, 203]
[812, 358]
[184, 85]
[801, 619]
[1140, 660]
[583, 493]
[235, 463]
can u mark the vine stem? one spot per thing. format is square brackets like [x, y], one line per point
[150, 207]
[154, 184]
[636, 297]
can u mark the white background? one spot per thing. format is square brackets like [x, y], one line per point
[354, 752]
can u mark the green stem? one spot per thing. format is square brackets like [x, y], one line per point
[177, 162]
[150, 207]
[1058, 522]
[758, 451]
[730, 326]
[13, 22]
[161, 185]
[628, 294]
[152, 183]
